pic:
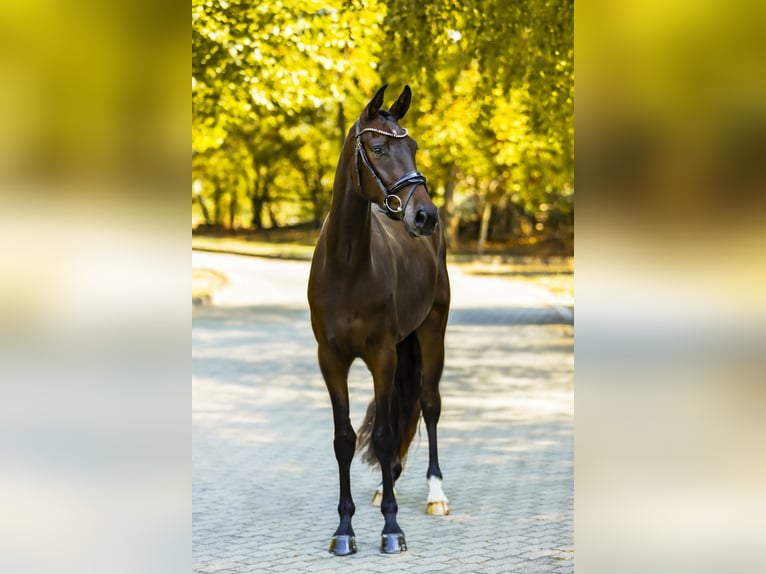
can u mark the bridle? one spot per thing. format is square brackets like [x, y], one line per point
[414, 178]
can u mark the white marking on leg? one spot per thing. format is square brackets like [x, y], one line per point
[435, 492]
[438, 505]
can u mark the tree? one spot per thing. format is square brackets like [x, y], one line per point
[273, 83]
[500, 80]
[260, 69]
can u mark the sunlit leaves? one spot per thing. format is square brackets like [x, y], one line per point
[276, 83]
[260, 69]
[499, 82]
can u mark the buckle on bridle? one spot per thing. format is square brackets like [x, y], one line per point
[399, 206]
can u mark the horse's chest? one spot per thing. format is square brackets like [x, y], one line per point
[383, 301]
[358, 318]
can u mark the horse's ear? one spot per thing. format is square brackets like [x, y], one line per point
[402, 104]
[375, 103]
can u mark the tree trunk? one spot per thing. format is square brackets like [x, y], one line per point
[266, 200]
[272, 216]
[260, 197]
[233, 207]
[256, 221]
[203, 207]
[257, 204]
[217, 210]
[451, 221]
[484, 229]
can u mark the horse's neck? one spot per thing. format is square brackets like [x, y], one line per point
[348, 226]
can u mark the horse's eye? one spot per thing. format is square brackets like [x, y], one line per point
[377, 149]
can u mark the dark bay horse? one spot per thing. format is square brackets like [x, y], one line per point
[378, 290]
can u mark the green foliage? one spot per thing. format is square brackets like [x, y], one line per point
[496, 82]
[276, 85]
[265, 77]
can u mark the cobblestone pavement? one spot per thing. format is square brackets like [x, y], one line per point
[264, 474]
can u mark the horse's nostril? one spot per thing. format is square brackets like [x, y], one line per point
[420, 218]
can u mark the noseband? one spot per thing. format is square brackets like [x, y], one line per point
[393, 204]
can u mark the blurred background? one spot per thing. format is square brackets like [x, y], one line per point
[94, 337]
[670, 401]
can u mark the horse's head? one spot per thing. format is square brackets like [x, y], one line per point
[385, 165]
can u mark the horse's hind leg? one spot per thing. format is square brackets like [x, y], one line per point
[335, 373]
[431, 336]
[377, 496]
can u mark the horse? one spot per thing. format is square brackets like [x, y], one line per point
[378, 290]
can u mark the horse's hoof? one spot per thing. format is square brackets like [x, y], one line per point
[392, 543]
[438, 508]
[343, 545]
[377, 498]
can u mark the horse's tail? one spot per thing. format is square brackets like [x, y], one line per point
[405, 403]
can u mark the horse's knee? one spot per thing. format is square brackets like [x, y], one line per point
[383, 442]
[345, 443]
[431, 405]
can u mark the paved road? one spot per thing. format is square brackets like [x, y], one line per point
[264, 474]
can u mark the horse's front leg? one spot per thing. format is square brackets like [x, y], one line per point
[335, 372]
[383, 368]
